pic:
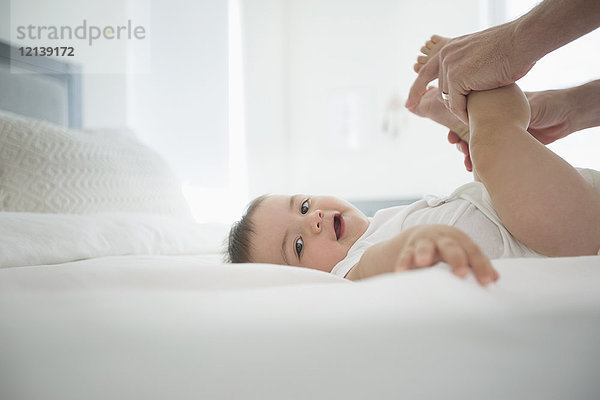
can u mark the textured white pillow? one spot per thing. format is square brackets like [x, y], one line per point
[44, 238]
[47, 168]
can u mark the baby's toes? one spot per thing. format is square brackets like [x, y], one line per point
[436, 39]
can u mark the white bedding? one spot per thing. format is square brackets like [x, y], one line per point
[138, 306]
[182, 327]
[41, 238]
[46, 168]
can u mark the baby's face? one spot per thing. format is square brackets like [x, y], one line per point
[307, 231]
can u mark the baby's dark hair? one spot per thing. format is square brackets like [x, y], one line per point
[239, 245]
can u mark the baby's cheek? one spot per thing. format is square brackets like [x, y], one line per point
[325, 257]
[336, 254]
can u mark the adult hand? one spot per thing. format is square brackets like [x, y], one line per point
[463, 147]
[479, 61]
[550, 119]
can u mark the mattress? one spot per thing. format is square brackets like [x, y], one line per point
[187, 326]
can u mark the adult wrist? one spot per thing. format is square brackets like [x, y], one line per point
[554, 23]
[525, 33]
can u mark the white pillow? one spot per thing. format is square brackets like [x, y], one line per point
[47, 168]
[43, 238]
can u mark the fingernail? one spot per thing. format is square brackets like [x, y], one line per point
[462, 271]
[485, 280]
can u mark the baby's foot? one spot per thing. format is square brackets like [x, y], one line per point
[431, 48]
[431, 105]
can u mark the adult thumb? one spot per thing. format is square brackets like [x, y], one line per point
[428, 73]
[457, 105]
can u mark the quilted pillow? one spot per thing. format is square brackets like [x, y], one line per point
[50, 169]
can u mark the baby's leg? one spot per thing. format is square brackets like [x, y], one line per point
[431, 105]
[542, 200]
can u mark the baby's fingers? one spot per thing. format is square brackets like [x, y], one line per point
[454, 255]
[481, 265]
[482, 268]
[405, 260]
[463, 255]
[425, 252]
[422, 254]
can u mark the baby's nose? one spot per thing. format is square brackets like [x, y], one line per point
[316, 221]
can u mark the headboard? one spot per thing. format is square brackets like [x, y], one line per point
[40, 87]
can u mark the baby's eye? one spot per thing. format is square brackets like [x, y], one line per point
[299, 246]
[304, 207]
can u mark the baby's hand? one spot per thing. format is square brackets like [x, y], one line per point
[425, 245]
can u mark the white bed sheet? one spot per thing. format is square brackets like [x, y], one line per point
[180, 327]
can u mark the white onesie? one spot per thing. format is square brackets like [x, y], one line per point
[469, 209]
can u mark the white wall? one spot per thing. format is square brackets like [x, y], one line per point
[352, 54]
[265, 47]
[179, 105]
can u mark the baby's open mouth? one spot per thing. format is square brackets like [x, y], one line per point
[338, 226]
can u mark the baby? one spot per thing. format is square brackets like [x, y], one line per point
[526, 201]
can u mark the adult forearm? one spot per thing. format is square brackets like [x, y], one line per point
[585, 100]
[554, 23]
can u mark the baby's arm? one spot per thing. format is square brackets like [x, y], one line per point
[542, 200]
[423, 246]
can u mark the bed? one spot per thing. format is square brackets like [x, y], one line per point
[109, 289]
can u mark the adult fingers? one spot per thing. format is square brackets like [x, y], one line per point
[457, 104]
[463, 147]
[453, 138]
[468, 164]
[443, 84]
[428, 73]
